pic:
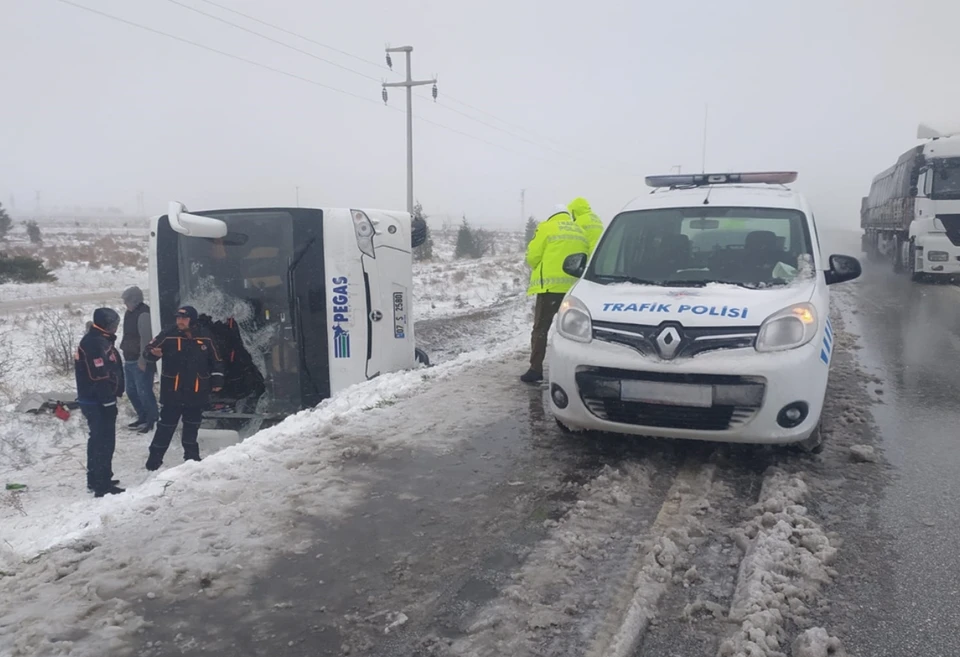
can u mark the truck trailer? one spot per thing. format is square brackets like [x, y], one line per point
[301, 302]
[911, 217]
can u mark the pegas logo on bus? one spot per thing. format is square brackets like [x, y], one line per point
[340, 301]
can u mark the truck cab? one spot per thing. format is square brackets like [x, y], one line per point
[302, 302]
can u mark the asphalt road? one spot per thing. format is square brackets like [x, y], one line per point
[904, 596]
[457, 551]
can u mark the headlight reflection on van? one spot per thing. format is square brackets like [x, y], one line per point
[573, 320]
[792, 327]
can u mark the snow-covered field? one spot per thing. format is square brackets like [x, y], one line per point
[48, 455]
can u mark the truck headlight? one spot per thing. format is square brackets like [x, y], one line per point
[365, 231]
[573, 320]
[792, 327]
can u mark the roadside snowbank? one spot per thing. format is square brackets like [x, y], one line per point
[202, 526]
[787, 559]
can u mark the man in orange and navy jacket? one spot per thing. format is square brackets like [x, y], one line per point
[99, 373]
[191, 368]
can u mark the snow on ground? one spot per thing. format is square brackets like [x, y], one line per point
[84, 260]
[788, 558]
[48, 455]
[208, 526]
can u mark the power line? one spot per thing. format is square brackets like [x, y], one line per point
[272, 40]
[292, 33]
[363, 75]
[219, 52]
[362, 59]
[284, 73]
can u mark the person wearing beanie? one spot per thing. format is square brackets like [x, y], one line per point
[98, 370]
[556, 238]
[190, 369]
[139, 372]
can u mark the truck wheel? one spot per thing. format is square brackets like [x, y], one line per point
[897, 255]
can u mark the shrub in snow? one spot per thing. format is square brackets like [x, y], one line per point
[33, 232]
[6, 223]
[59, 335]
[23, 269]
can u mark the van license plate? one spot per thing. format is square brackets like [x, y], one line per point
[674, 394]
[399, 317]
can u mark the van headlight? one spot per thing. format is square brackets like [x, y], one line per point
[792, 327]
[573, 320]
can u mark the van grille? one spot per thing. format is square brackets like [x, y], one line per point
[693, 340]
[599, 388]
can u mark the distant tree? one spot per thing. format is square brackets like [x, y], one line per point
[424, 251]
[484, 242]
[530, 230]
[33, 232]
[6, 223]
[466, 247]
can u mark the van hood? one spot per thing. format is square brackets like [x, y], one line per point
[713, 305]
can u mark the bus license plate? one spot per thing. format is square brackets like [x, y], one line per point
[399, 317]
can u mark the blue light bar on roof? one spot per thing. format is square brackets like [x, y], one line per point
[698, 179]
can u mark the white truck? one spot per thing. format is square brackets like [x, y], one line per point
[912, 213]
[302, 302]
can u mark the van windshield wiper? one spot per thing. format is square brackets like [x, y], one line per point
[610, 278]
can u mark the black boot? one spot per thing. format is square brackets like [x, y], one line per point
[145, 428]
[113, 482]
[155, 460]
[134, 425]
[111, 490]
[532, 377]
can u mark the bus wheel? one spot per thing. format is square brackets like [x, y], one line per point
[421, 356]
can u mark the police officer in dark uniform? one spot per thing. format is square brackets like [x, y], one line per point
[191, 368]
[99, 373]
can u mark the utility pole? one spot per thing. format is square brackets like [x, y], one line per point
[409, 83]
[298, 195]
[523, 206]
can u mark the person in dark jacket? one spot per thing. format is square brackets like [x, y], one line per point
[99, 373]
[191, 368]
[137, 370]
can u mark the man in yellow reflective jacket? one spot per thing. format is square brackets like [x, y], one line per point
[587, 219]
[556, 238]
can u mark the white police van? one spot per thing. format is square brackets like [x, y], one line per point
[303, 302]
[702, 314]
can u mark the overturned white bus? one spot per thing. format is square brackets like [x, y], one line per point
[302, 302]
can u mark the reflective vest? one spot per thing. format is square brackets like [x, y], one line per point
[588, 220]
[556, 238]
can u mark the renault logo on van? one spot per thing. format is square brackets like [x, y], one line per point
[668, 341]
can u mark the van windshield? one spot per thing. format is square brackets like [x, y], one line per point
[749, 247]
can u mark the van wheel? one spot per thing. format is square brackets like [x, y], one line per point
[421, 356]
[815, 443]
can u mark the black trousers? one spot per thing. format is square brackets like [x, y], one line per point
[101, 443]
[170, 416]
[548, 303]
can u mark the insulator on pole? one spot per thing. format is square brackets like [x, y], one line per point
[434, 92]
[384, 94]
[389, 61]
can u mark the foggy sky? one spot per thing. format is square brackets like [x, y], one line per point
[94, 111]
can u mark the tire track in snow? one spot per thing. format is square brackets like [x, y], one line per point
[692, 614]
[678, 523]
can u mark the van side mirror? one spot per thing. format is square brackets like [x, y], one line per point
[574, 265]
[843, 268]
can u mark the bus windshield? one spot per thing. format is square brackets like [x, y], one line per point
[749, 247]
[241, 283]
